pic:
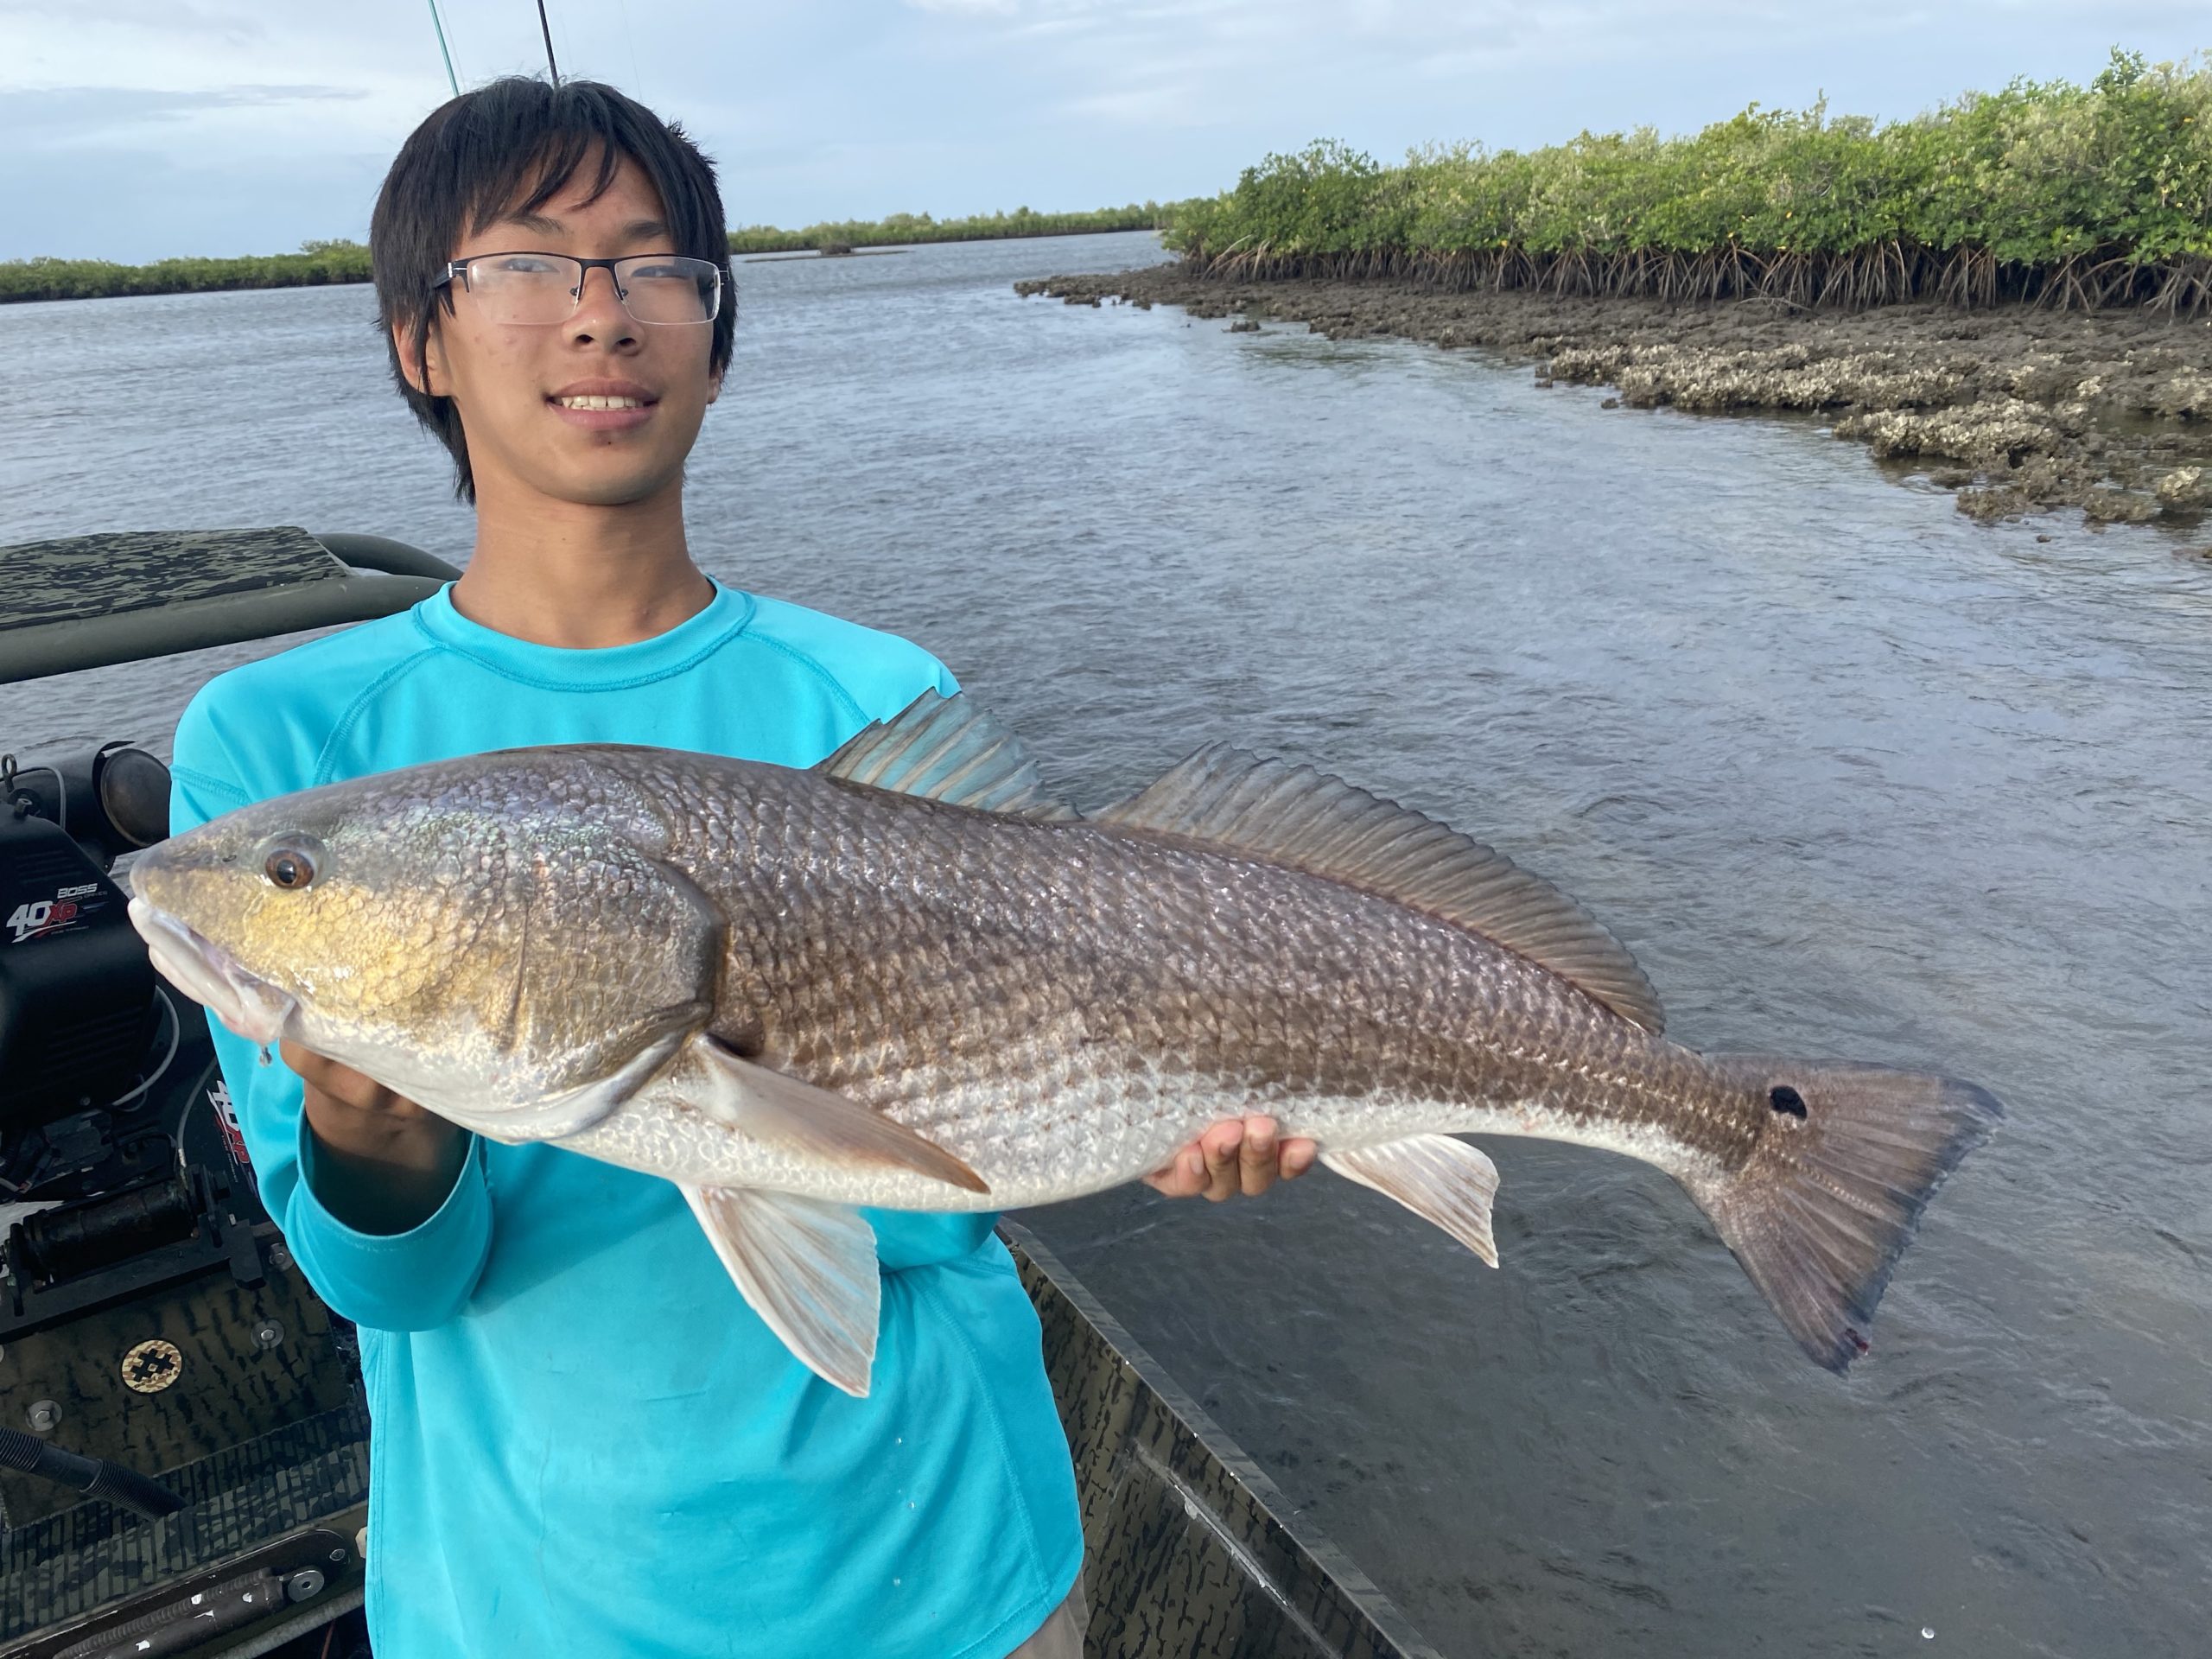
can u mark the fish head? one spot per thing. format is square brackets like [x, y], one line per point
[481, 936]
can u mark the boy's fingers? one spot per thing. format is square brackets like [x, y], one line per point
[341, 1082]
[1256, 1165]
[1246, 1156]
[1185, 1178]
[1223, 1145]
[312, 1069]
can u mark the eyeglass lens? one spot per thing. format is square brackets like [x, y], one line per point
[523, 288]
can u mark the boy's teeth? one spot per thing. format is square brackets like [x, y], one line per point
[601, 403]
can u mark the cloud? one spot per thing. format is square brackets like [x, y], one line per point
[56, 117]
[211, 116]
[1304, 65]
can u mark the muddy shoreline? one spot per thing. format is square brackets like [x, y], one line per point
[2018, 410]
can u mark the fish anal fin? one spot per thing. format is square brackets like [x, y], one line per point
[947, 749]
[814, 1123]
[808, 1268]
[1296, 815]
[1443, 1181]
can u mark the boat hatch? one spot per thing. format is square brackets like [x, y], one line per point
[88, 601]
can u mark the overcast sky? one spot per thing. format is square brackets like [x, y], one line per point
[137, 129]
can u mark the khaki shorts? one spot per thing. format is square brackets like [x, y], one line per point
[1059, 1636]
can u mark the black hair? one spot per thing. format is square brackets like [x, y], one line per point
[467, 165]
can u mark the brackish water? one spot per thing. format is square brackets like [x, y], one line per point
[1852, 776]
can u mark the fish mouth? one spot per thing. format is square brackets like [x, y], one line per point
[209, 975]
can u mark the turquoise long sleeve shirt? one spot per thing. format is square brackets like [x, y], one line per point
[583, 1442]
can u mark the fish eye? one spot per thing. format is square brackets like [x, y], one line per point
[290, 865]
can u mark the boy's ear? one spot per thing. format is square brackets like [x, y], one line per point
[714, 385]
[403, 346]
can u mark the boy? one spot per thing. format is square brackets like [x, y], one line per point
[584, 1441]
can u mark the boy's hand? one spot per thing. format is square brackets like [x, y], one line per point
[384, 1164]
[1236, 1155]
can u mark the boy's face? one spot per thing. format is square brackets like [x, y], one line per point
[507, 378]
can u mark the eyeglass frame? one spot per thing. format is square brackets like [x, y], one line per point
[459, 268]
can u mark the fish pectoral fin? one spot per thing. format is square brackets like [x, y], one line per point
[1440, 1180]
[815, 1123]
[808, 1268]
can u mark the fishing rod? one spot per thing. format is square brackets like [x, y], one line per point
[452, 80]
[546, 30]
[438, 23]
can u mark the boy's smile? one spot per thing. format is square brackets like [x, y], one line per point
[604, 405]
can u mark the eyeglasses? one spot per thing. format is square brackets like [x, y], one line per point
[548, 287]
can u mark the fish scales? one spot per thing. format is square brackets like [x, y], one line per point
[991, 982]
[907, 979]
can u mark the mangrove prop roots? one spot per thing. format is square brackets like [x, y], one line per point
[1892, 273]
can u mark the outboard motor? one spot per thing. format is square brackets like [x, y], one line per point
[161, 1352]
[77, 993]
[117, 1151]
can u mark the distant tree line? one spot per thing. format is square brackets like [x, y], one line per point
[902, 229]
[319, 263]
[316, 263]
[2072, 196]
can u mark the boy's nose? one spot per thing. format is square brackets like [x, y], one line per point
[599, 313]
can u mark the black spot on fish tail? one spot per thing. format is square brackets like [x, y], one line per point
[1821, 1209]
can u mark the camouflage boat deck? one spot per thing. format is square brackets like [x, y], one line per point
[1191, 1552]
[86, 601]
[287, 1502]
[241, 1397]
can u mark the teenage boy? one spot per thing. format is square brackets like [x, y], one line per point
[584, 1441]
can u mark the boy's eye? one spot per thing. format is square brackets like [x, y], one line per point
[521, 264]
[658, 273]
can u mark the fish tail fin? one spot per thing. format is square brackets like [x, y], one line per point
[1827, 1201]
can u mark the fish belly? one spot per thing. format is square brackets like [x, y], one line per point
[1034, 1150]
[1037, 1143]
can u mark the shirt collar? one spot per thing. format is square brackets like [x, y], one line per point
[606, 668]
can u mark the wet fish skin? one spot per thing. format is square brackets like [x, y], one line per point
[1065, 1004]
[793, 993]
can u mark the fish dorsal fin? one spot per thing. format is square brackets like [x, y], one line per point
[947, 749]
[1298, 816]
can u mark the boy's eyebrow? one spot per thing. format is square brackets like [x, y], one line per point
[636, 230]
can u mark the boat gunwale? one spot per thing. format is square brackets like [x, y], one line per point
[1365, 1621]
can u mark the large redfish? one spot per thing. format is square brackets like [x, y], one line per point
[908, 979]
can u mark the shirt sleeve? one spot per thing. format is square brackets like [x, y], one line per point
[398, 1281]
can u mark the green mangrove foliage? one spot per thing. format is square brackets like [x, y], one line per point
[313, 265]
[903, 228]
[2072, 196]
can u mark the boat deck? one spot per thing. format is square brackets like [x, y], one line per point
[1191, 1551]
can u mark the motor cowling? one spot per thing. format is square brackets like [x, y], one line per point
[76, 989]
